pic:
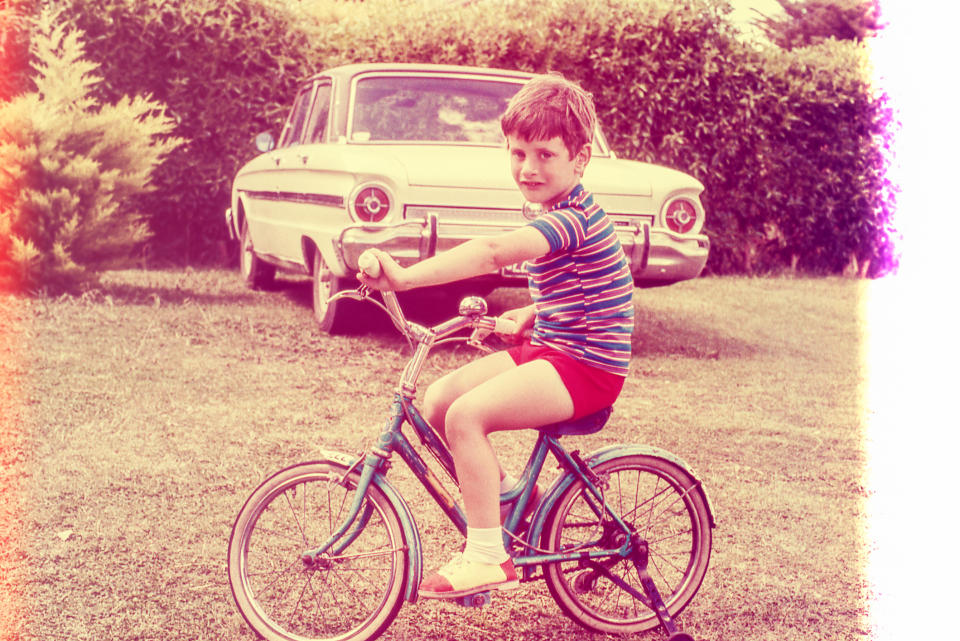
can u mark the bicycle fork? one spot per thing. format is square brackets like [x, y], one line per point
[358, 514]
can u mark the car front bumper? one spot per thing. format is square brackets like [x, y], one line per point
[655, 256]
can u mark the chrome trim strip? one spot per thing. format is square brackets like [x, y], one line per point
[327, 200]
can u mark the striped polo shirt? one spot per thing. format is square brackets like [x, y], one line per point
[583, 289]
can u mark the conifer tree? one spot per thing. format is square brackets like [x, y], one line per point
[71, 169]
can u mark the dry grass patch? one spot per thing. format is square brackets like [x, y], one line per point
[144, 415]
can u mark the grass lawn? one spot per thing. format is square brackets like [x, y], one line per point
[134, 422]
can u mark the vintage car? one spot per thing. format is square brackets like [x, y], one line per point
[410, 158]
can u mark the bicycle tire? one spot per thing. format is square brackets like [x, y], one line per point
[659, 500]
[354, 597]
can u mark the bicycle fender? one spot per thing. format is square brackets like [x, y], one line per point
[411, 533]
[603, 455]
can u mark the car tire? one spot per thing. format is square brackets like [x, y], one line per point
[332, 317]
[256, 273]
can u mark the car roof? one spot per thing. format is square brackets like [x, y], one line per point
[350, 70]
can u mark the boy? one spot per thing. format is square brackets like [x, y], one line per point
[576, 358]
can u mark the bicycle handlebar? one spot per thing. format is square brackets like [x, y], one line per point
[369, 264]
[473, 310]
[505, 326]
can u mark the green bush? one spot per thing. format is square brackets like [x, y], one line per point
[71, 169]
[15, 16]
[790, 145]
[226, 69]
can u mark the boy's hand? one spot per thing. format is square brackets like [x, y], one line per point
[379, 271]
[523, 317]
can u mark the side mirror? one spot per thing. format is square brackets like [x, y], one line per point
[264, 142]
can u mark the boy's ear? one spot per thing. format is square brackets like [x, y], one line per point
[582, 158]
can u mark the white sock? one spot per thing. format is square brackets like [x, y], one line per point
[507, 483]
[485, 545]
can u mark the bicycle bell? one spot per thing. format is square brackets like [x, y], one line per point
[473, 305]
[532, 211]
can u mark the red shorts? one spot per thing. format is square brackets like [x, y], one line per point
[591, 388]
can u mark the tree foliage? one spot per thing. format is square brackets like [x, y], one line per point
[71, 169]
[226, 69]
[15, 19]
[811, 22]
[790, 144]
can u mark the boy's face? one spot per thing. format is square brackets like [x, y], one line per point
[544, 170]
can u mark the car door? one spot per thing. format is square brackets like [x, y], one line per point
[312, 183]
[272, 225]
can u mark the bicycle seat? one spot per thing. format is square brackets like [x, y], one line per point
[584, 425]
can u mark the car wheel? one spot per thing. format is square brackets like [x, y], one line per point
[256, 273]
[332, 316]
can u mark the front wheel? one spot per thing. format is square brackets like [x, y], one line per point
[660, 503]
[351, 593]
[256, 273]
[333, 316]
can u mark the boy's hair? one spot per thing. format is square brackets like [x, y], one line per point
[548, 106]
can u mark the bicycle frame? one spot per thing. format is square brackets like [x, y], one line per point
[375, 463]
[393, 440]
[573, 539]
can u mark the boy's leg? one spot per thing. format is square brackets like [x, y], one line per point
[448, 388]
[524, 396]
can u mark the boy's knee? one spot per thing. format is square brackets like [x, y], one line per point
[435, 407]
[462, 419]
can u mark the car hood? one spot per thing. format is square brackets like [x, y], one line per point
[444, 166]
[489, 168]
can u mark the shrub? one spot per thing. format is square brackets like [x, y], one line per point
[226, 70]
[15, 46]
[826, 155]
[72, 167]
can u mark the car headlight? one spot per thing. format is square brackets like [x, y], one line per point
[371, 202]
[682, 215]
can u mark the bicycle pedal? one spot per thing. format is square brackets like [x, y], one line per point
[477, 600]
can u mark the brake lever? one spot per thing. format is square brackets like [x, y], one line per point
[353, 294]
[476, 340]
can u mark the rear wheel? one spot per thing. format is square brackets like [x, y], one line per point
[352, 593]
[660, 502]
[256, 273]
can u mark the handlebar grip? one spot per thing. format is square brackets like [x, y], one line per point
[369, 264]
[506, 326]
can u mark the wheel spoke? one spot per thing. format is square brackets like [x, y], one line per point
[649, 495]
[354, 594]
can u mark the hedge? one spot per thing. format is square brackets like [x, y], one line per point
[791, 146]
[226, 70]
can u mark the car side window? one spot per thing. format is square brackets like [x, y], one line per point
[317, 127]
[293, 130]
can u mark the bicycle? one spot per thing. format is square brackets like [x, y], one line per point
[329, 549]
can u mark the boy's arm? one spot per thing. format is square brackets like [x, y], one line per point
[473, 258]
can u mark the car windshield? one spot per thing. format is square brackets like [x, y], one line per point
[435, 109]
